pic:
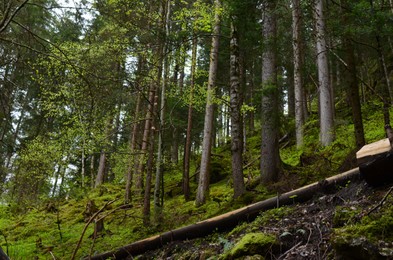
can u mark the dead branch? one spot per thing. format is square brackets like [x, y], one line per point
[380, 204]
[289, 250]
[87, 224]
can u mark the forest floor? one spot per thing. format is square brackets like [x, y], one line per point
[338, 225]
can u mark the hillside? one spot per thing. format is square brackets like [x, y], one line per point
[349, 223]
[52, 228]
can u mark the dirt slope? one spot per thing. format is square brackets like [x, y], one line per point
[302, 231]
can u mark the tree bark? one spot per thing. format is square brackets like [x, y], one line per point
[101, 170]
[352, 83]
[236, 117]
[162, 66]
[131, 158]
[187, 147]
[325, 92]
[203, 184]
[298, 82]
[270, 158]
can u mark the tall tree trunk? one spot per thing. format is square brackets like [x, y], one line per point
[353, 93]
[325, 92]
[187, 147]
[236, 116]
[163, 61]
[149, 168]
[203, 184]
[145, 139]
[131, 158]
[297, 75]
[352, 84]
[270, 158]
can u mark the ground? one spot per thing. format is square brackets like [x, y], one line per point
[322, 228]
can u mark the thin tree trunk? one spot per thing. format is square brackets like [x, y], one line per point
[270, 158]
[145, 139]
[92, 158]
[149, 168]
[325, 92]
[163, 61]
[56, 180]
[187, 147]
[353, 94]
[352, 84]
[131, 159]
[101, 170]
[236, 117]
[298, 82]
[203, 184]
[103, 162]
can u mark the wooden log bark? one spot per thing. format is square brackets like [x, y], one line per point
[230, 219]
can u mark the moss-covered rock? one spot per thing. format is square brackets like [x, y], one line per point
[252, 244]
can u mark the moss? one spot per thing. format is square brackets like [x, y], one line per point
[365, 236]
[344, 216]
[252, 244]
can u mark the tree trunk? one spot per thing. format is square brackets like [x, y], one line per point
[187, 147]
[325, 93]
[236, 117]
[352, 84]
[163, 61]
[145, 139]
[298, 82]
[270, 158]
[149, 168]
[387, 91]
[131, 158]
[101, 170]
[353, 93]
[203, 184]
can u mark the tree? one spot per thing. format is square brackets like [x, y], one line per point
[297, 75]
[235, 112]
[158, 187]
[203, 184]
[351, 79]
[270, 158]
[326, 107]
[187, 146]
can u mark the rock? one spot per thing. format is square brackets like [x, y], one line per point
[253, 244]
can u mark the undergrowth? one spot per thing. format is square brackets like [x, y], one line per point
[41, 231]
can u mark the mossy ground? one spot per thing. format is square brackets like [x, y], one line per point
[39, 231]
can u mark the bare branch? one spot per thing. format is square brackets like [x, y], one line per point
[6, 22]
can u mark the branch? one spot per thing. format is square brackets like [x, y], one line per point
[5, 22]
[85, 228]
[380, 204]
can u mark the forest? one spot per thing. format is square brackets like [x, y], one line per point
[123, 119]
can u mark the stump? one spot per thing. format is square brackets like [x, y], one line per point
[90, 209]
[375, 162]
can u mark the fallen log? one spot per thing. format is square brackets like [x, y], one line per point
[230, 219]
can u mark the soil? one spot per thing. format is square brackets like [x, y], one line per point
[303, 234]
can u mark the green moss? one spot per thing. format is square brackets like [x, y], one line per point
[252, 244]
[363, 237]
[344, 216]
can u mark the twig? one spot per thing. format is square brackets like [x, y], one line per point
[289, 250]
[380, 204]
[53, 256]
[87, 224]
